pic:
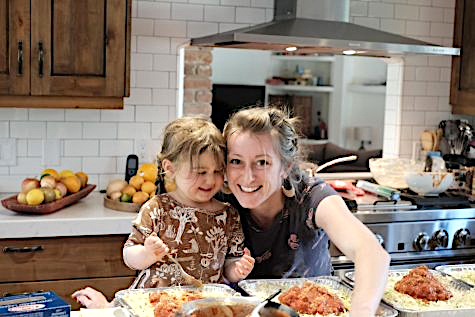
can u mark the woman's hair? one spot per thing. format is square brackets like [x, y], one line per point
[281, 127]
[184, 139]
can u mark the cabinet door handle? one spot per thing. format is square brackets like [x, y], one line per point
[41, 58]
[20, 58]
[35, 248]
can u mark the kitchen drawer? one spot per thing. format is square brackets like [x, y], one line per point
[62, 258]
[64, 288]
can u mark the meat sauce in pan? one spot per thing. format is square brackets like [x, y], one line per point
[420, 283]
[312, 299]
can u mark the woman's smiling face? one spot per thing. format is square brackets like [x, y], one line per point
[254, 170]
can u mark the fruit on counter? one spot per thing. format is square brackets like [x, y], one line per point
[62, 189]
[51, 172]
[129, 189]
[65, 173]
[83, 178]
[148, 171]
[49, 194]
[148, 187]
[29, 183]
[136, 181]
[50, 188]
[72, 183]
[140, 198]
[115, 185]
[125, 198]
[47, 181]
[115, 195]
[35, 197]
[21, 198]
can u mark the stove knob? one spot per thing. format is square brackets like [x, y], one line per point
[380, 239]
[461, 238]
[421, 242]
[440, 238]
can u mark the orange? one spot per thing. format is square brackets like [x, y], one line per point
[129, 189]
[148, 187]
[51, 172]
[83, 178]
[136, 181]
[148, 171]
[139, 198]
[72, 183]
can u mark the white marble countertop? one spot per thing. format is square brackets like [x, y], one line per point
[85, 218]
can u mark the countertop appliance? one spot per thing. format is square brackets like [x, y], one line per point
[417, 229]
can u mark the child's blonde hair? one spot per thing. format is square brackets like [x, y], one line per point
[184, 139]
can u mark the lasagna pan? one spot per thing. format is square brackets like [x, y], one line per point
[136, 301]
[462, 304]
[464, 272]
[265, 287]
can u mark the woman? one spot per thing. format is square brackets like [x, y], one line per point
[287, 216]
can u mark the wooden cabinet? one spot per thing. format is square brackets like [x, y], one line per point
[462, 87]
[64, 53]
[63, 265]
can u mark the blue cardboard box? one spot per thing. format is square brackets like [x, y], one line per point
[38, 304]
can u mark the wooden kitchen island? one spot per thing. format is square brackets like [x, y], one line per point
[78, 246]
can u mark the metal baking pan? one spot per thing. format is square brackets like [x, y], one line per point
[263, 288]
[143, 308]
[459, 271]
[459, 289]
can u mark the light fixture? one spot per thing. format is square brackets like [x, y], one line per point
[349, 52]
[291, 49]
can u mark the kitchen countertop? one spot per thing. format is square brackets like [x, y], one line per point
[86, 217]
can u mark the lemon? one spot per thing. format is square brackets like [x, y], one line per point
[148, 187]
[66, 173]
[136, 181]
[35, 197]
[140, 198]
[72, 183]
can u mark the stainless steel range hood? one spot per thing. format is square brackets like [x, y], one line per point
[319, 36]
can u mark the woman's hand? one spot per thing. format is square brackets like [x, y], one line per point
[155, 246]
[91, 298]
[241, 268]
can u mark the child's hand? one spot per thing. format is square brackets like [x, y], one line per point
[244, 265]
[155, 246]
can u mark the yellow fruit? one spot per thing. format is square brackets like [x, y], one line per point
[148, 171]
[83, 178]
[72, 183]
[66, 173]
[129, 189]
[51, 172]
[35, 197]
[148, 187]
[57, 193]
[49, 193]
[136, 181]
[21, 198]
[139, 198]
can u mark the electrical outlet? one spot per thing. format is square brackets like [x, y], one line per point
[144, 150]
[7, 152]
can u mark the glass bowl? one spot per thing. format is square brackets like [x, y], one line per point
[391, 172]
[429, 183]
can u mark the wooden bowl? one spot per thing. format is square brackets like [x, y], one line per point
[118, 205]
[11, 203]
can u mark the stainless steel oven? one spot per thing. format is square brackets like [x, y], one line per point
[416, 230]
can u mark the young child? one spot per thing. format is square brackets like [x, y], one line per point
[203, 235]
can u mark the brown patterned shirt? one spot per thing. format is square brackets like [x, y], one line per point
[199, 239]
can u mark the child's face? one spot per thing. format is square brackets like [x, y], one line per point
[200, 182]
